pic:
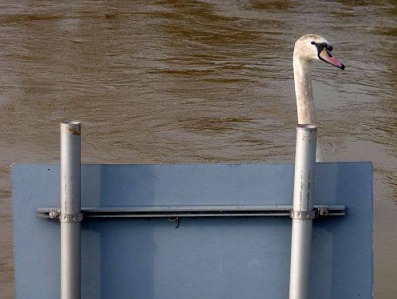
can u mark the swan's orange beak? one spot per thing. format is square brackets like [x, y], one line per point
[326, 56]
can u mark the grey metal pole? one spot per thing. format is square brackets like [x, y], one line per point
[303, 213]
[70, 209]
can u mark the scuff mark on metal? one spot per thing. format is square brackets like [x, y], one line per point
[176, 220]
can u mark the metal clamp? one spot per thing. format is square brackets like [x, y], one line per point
[53, 214]
[71, 218]
[304, 215]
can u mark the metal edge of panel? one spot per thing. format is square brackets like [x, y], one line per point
[320, 211]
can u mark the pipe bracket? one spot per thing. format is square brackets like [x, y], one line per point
[304, 215]
[71, 218]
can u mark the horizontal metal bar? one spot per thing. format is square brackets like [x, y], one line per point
[193, 211]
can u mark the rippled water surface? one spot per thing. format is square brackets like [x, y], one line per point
[197, 81]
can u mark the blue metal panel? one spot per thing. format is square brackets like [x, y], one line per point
[202, 258]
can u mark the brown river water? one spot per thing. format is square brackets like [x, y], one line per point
[198, 81]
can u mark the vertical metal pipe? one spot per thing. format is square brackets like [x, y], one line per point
[303, 213]
[70, 209]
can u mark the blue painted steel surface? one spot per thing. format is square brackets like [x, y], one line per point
[202, 258]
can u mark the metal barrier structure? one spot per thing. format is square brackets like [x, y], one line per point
[193, 230]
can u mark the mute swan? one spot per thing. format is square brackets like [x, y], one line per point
[308, 48]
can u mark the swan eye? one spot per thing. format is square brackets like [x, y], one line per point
[313, 43]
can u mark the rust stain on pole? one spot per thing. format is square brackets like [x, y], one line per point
[74, 132]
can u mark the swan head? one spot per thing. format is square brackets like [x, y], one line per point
[314, 47]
